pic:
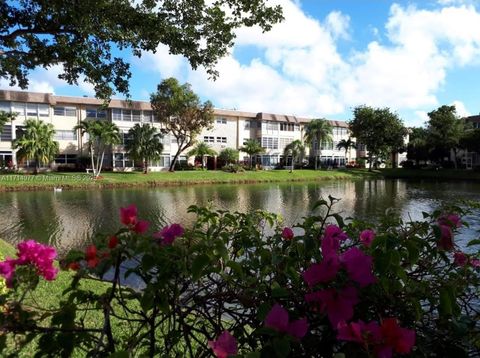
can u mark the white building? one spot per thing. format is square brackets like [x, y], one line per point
[230, 130]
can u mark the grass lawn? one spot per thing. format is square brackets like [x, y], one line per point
[18, 182]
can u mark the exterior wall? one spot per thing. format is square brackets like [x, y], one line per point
[230, 129]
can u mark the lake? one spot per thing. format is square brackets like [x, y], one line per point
[69, 219]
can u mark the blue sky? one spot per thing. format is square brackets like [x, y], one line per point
[329, 56]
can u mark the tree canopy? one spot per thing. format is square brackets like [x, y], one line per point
[181, 113]
[81, 35]
[252, 147]
[229, 155]
[295, 150]
[36, 143]
[379, 129]
[318, 131]
[145, 144]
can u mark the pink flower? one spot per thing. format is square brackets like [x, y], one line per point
[335, 232]
[359, 266]
[32, 253]
[360, 332]
[366, 237]
[113, 242]
[7, 270]
[224, 346]
[460, 259]
[169, 233]
[446, 238]
[278, 320]
[128, 215]
[287, 233]
[401, 340]
[337, 304]
[475, 262]
[325, 271]
[141, 226]
[91, 256]
[452, 220]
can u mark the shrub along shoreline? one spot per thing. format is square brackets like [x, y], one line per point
[71, 181]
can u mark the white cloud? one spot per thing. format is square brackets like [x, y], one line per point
[161, 62]
[462, 111]
[420, 119]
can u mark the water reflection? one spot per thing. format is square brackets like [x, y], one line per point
[70, 218]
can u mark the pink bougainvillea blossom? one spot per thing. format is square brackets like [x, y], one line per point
[141, 226]
[359, 266]
[452, 220]
[334, 231]
[225, 345]
[338, 305]
[400, 340]
[325, 271]
[367, 237]
[278, 320]
[460, 259]
[128, 215]
[32, 253]
[446, 238]
[287, 233]
[360, 332]
[475, 262]
[113, 242]
[169, 233]
[91, 256]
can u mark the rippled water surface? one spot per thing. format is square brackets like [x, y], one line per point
[68, 219]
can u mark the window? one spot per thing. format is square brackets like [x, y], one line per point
[126, 115]
[19, 108]
[6, 159]
[96, 113]
[65, 111]
[6, 135]
[126, 138]
[221, 139]
[208, 139]
[326, 145]
[43, 110]
[120, 160]
[285, 141]
[147, 116]
[164, 161]
[247, 125]
[476, 125]
[65, 135]
[66, 159]
[287, 127]
[270, 143]
[221, 120]
[136, 116]
[5, 107]
[116, 114]
[32, 110]
[270, 126]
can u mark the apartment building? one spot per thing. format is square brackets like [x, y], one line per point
[230, 129]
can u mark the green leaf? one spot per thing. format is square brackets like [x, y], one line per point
[445, 302]
[281, 347]
[279, 292]
[199, 265]
[474, 242]
[319, 203]
[120, 354]
[339, 220]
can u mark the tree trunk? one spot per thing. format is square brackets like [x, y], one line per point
[455, 158]
[91, 157]
[145, 166]
[251, 162]
[101, 164]
[370, 160]
[204, 162]
[174, 161]
[37, 166]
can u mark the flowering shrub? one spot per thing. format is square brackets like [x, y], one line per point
[243, 284]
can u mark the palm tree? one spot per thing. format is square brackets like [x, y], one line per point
[318, 131]
[101, 134]
[296, 150]
[346, 144]
[37, 143]
[202, 150]
[252, 147]
[145, 144]
[229, 155]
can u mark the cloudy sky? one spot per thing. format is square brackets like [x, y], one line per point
[329, 56]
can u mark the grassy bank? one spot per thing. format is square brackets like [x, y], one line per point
[48, 181]
[440, 174]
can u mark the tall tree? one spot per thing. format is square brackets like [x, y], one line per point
[445, 129]
[80, 35]
[380, 130]
[229, 155]
[145, 144]
[101, 135]
[347, 145]
[418, 148]
[318, 131]
[6, 117]
[36, 142]
[294, 150]
[252, 147]
[179, 109]
[202, 150]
